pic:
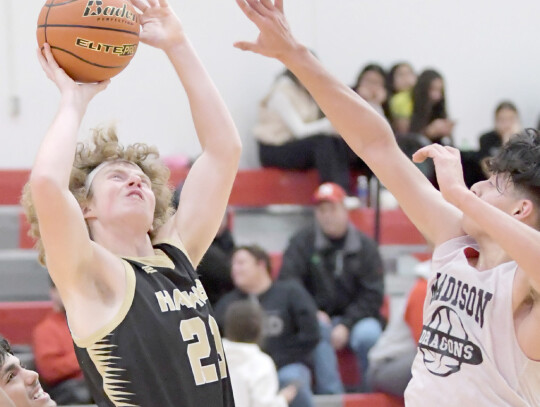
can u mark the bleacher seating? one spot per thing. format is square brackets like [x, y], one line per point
[257, 188]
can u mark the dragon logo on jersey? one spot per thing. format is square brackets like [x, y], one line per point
[445, 344]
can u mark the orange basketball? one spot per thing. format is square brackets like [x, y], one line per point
[92, 40]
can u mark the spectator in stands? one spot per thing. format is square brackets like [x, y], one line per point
[215, 267]
[507, 123]
[401, 81]
[371, 85]
[55, 357]
[290, 332]
[342, 270]
[293, 134]
[253, 373]
[19, 387]
[430, 120]
[390, 360]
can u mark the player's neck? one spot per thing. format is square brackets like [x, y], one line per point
[490, 255]
[123, 242]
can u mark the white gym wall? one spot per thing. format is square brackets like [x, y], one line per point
[487, 50]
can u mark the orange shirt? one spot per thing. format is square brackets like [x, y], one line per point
[53, 350]
[415, 306]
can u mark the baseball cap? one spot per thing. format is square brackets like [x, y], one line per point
[329, 192]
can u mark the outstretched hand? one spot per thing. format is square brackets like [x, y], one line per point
[448, 169]
[160, 27]
[275, 39]
[80, 93]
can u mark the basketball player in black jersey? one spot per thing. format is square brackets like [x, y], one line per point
[124, 267]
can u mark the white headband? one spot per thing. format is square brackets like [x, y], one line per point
[94, 172]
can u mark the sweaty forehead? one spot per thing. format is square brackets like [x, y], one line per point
[126, 166]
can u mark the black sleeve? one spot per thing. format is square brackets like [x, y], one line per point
[305, 316]
[369, 297]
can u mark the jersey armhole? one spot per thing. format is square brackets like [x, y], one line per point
[120, 315]
[177, 243]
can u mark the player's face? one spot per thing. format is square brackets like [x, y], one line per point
[498, 191]
[245, 270]
[333, 218]
[122, 188]
[22, 385]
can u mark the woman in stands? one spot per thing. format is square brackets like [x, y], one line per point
[293, 134]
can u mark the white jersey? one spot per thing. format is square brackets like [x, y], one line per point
[468, 353]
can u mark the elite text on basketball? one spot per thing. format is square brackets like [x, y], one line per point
[120, 50]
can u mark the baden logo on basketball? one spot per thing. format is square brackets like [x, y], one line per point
[120, 50]
[94, 8]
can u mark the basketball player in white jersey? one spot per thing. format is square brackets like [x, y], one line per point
[124, 267]
[479, 344]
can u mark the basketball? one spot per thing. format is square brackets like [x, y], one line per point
[92, 40]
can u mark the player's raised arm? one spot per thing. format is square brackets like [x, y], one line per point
[61, 223]
[366, 132]
[207, 188]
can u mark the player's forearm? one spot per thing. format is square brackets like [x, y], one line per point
[353, 118]
[56, 153]
[520, 241]
[213, 123]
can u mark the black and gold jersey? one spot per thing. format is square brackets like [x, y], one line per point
[163, 349]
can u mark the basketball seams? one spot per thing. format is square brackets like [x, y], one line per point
[88, 62]
[46, 18]
[59, 4]
[87, 26]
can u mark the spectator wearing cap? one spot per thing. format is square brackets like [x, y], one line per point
[342, 270]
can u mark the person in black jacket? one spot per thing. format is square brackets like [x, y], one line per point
[342, 269]
[290, 332]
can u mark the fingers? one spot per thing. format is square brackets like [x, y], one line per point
[245, 46]
[430, 151]
[250, 12]
[140, 4]
[43, 62]
[435, 151]
[268, 5]
[163, 3]
[49, 56]
[279, 5]
[153, 3]
[259, 8]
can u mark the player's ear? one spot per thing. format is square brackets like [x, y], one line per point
[523, 209]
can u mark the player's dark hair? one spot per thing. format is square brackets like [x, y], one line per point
[243, 322]
[5, 350]
[519, 158]
[259, 253]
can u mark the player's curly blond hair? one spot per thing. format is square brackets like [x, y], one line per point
[104, 146]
